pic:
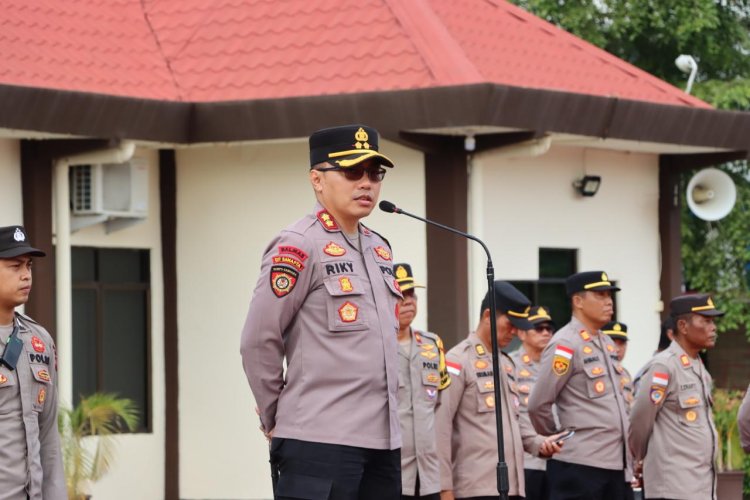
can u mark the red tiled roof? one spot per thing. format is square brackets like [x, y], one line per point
[229, 50]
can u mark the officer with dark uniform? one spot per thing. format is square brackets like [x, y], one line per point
[580, 375]
[31, 465]
[326, 302]
[466, 418]
[618, 332]
[422, 378]
[671, 424]
[526, 359]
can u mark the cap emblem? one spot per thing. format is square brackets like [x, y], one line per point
[617, 327]
[541, 312]
[361, 137]
[18, 235]
[604, 277]
[401, 273]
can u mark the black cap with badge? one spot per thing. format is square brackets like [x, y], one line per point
[511, 302]
[14, 242]
[589, 281]
[616, 330]
[405, 277]
[346, 146]
[538, 315]
[699, 303]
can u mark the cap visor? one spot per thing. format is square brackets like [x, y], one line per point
[711, 313]
[15, 252]
[521, 323]
[543, 321]
[409, 286]
[616, 336]
[603, 288]
[352, 160]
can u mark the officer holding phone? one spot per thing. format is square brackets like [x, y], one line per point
[31, 466]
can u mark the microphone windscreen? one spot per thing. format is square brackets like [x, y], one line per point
[387, 206]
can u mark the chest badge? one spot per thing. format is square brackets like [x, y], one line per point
[346, 284]
[348, 312]
[490, 401]
[597, 370]
[481, 365]
[587, 350]
[382, 253]
[433, 378]
[44, 375]
[525, 373]
[41, 396]
[691, 416]
[489, 385]
[428, 354]
[334, 250]
[599, 387]
[37, 344]
[3, 379]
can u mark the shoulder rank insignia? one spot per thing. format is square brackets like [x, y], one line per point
[348, 312]
[334, 250]
[610, 348]
[327, 220]
[383, 253]
[561, 360]
[526, 359]
[453, 368]
[283, 280]
[418, 337]
[685, 360]
[480, 350]
[586, 336]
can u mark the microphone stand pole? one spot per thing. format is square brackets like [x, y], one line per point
[502, 468]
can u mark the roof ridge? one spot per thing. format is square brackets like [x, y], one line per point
[443, 55]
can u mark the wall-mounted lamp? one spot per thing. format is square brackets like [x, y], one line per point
[588, 185]
[470, 143]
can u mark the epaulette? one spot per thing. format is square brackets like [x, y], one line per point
[508, 357]
[27, 318]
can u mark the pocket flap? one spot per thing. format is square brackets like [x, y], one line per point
[41, 374]
[690, 400]
[594, 371]
[342, 285]
[7, 378]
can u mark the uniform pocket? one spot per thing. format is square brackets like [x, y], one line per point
[344, 301]
[691, 408]
[8, 392]
[485, 394]
[596, 384]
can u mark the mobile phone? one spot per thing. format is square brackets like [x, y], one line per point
[565, 437]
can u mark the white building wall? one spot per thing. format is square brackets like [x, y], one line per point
[11, 201]
[521, 204]
[138, 470]
[230, 202]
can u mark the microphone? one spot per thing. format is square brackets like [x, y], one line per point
[502, 468]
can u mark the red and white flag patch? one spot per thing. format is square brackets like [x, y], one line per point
[660, 378]
[453, 368]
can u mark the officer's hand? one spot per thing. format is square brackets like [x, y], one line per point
[447, 495]
[550, 446]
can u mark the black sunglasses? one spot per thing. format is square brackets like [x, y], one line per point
[375, 174]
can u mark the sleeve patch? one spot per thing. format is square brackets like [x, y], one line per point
[292, 250]
[453, 368]
[283, 279]
[561, 360]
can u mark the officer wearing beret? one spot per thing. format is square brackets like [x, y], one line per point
[671, 424]
[526, 359]
[422, 378]
[326, 303]
[31, 466]
[580, 374]
[466, 418]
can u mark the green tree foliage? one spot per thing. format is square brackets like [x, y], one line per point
[651, 34]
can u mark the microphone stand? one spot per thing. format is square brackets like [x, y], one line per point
[502, 468]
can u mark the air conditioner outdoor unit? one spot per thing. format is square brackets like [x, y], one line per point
[109, 191]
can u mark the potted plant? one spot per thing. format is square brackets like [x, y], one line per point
[731, 457]
[86, 434]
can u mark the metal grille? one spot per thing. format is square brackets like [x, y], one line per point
[82, 188]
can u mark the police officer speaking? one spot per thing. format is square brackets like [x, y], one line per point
[579, 373]
[671, 423]
[31, 466]
[326, 303]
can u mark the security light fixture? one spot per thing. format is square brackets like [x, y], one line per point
[588, 185]
[687, 64]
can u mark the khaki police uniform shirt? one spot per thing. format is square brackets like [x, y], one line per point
[672, 428]
[743, 421]
[628, 391]
[422, 378]
[467, 438]
[580, 374]
[526, 374]
[30, 456]
[329, 308]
